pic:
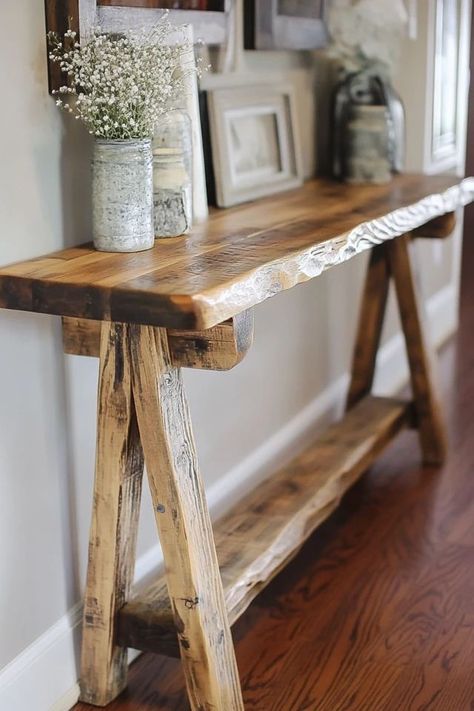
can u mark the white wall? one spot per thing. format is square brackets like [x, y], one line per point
[245, 420]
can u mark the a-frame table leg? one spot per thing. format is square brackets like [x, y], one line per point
[116, 505]
[192, 571]
[369, 330]
[392, 259]
[420, 353]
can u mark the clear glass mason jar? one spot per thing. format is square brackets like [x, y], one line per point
[122, 195]
[172, 171]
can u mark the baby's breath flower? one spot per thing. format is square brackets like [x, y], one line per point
[119, 85]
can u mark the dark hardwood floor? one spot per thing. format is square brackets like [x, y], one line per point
[377, 611]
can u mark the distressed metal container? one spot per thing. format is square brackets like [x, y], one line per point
[367, 156]
[365, 107]
[122, 195]
[172, 174]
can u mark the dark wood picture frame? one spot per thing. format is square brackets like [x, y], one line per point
[210, 23]
[268, 26]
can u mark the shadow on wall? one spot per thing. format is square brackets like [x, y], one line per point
[75, 171]
[38, 514]
[326, 79]
[75, 200]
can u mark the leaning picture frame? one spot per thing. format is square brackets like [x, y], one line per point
[208, 18]
[210, 21]
[255, 142]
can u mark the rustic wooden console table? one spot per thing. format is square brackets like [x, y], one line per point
[186, 303]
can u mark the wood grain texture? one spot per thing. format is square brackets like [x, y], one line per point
[60, 16]
[429, 418]
[219, 348]
[234, 260]
[117, 493]
[369, 330]
[377, 611]
[192, 572]
[81, 336]
[264, 530]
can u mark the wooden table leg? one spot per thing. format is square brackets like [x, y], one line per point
[420, 355]
[371, 315]
[192, 571]
[117, 491]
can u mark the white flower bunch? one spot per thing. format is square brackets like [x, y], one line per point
[367, 32]
[118, 85]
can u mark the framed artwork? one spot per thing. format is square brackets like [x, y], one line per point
[445, 81]
[285, 24]
[255, 143]
[209, 18]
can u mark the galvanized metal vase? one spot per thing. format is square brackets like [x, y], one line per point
[122, 195]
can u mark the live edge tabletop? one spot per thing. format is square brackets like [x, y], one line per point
[234, 260]
[187, 303]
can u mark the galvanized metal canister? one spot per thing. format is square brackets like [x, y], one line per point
[367, 148]
[122, 195]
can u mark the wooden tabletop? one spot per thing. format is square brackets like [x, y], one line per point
[237, 258]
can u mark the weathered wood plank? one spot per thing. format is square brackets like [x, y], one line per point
[81, 336]
[234, 260]
[429, 419]
[192, 572]
[116, 505]
[369, 331]
[219, 348]
[264, 530]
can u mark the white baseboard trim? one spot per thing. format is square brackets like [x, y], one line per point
[46, 670]
[44, 676]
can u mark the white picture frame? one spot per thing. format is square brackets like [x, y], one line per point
[255, 142]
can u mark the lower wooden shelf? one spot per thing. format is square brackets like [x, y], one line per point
[256, 539]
